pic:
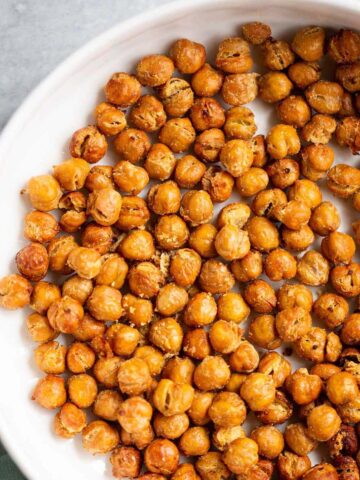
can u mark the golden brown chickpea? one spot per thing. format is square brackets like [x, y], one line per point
[232, 307]
[85, 262]
[344, 46]
[72, 173]
[75, 201]
[105, 371]
[324, 371]
[263, 470]
[283, 173]
[134, 376]
[164, 198]
[212, 373]
[346, 279]
[202, 240]
[256, 32]
[280, 265]
[350, 332]
[154, 70]
[107, 405]
[44, 192]
[178, 134]
[69, 421]
[94, 236]
[199, 410]
[50, 392]
[185, 471]
[100, 176]
[316, 160]
[104, 303]
[223, 436]
[309, 42]
[77, 288]
[323, 423]
[297, 240]
[258, 391]
[240, 455]
[196, 207]
[113, 271]
[196, 344]
[207, 113]
[218, 183]
[307, 192]
[227, 410]
[189, 171]
[132, 145]
[347, 133]
[99, 437]
[270, 441]
[259, 150]
[172, 398]
[109, 119]
[233, 56]
[237, 157]
[240, 88]
[40, 227]
[148, 115]
[293, 323]
[347, 106]
[266, 200]
[215, 277]
[240, 123]
[231, 243]
[262, 332]
[171, 427]
[298, 439]
[263, 234]
[338, 247]
[88, 143]
[187, 55]
[166, 334]
[137, 245]
[207, 81]
[323, 471]
[140, 439]
[303, 74]
[274, 86]
[325, 219]
[185, 266]
[311, 346]
[276, 366]
[348, 76]
[72, 220]
[343, 180]
[138, 311]
[225, 336]
[252, 182]
[122, 89]
[277, 54]
[319, 129]
[171, 299]
[195, 441]
[333, 347]
[82, 390]
[88, 328]
[282, 140]
[356, 230]
[248, 268]
[211, 467]
[153, 357]
[32, 261]
[313, 269]
[162, 456]
[65, 314]
[236, 214]
[208, 144]
[160, 162]
[342, 388]
[134, 414]
[324, 97]
[245, 358]
[294, 111]
[43, 295]
[50, 357]
[177, 96]
[134, 213]
[291, 466]
[200, 310]
[130, 178]
[145, 279]
[260, 296]
[126, 462]
[179, 370]
[294, 295]
[104, 206]
[277, 412]
[122, 339]
[39, 328]
[349, 412]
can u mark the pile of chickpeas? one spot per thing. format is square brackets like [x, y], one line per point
[153, 292]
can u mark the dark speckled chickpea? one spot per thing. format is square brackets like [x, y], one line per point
[311, 346]
[344, 46]
[256, 32]
[88, 143]
[283, 172]
[346, 279]
[277, 54]
[187, 55]
[207, 81]
[233, 56]
[260, 296]
[207, 113]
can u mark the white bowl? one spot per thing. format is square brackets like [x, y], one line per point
[36, 138]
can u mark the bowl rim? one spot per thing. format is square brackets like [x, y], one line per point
[94, 47]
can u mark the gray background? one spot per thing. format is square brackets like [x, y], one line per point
[35, 36]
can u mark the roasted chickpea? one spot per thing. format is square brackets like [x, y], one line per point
[50, 392]
[276, 366]
[40, 227]
[294, 295]
[154, 70]
[77, 288]
[187, 55]
[82, 390]
[260, 296]
[308, 43]
[227, 410]
[350, 331]
[132, 145]
[266, 200]
[223, 436]
[207, 81]
[160, 162]
[94, 236]
[207, 113]
[153, 357]
[349, 412]
[69, 421]
[179, 370]
[344, 46]
[211, 467]
[342, 388]
[307, 192]
[196, 344]
[294, 111]
[164, 198]
[324, 371]
[282, 140]
[231, 243]
[208, 144]
[100, 176]
[171, 427]
[205, 377]
[303, 74]
[185, 471]
[104, 206]
[277, 412]
[291, 466]
[109, 119]
[241, 454]
[347, 133]
[39, 328]
[313, 269]
[248, 268]
[177, 96]
[107, 405]
[277, 54]
[225, 336]
[178, 134]
[99, 437]
[130, 178]
[237, 157]
[218, 183]
[134, 414]
[189, 171]
[311, 346]
[240, 123]
[245, 358]
[185, 266]
[263, 234]
[126, 462]
[196, 207]
[162, 456]
[316, 160]
[258, 391]
[195, 441]
[43, 294]
[201, 310]
[138, 311]
[148, 115]
[104, 303]
[199, 410]
[134, 376]
[171, 299]
[323, 423]
[324, 96]
[293, 323]
[319, 130]
[105, 371]
[137, 245]
[262, 332]
[346, 279]
[145, 279]
[65, 314]
[232, 307]
[298, 439]
[233, 56]
[50, 357]
[122, 89]
[240, 88]
[325, 219]
[32, 261]
[122, 339]
[297, 240]
[274, 86]
[72, 173]
[44, 192]
[88, 143]
[323, 471]
[166, 334]
[202, 240]
[343, 180]
[215, 277]
[172, 398]
[88, 328]
[280, 265]
[256, 32]
[338, 247]
[270, 441]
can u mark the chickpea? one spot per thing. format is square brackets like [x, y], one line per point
[313, 269]
[262, 332]
[346, 279]
[263, 234]
[232, 243]
[350, 331]
[137, 245]
[195, 441]
[44, 192]
[324, 96]
[39, 328]
[113, 271]
[123, 339]
[40, 227]
[349, 413]
[134, 414]
[196, 207]
[187, 55]
[207, 81]
[274, 87]
[85, 262]
[211, 374]
[277, 412]
[178, 134]
[104, 303]
[298, 439]
[82, 390]
[50, 392]
[266, 200]
[276, 366]
[291, 466]
[260, 296]
[258, 391]
[153, 357]
[283, 173]
[154, 70]
[294, 111]
[88, 143]
[343, 180]
[256, 32]
[151, 476]
[245, 358]
[69, 421]
[347, 106]
[227, 410]
[189, 171]
[130, 178]
[277, 54]
[94, 236]
[311, 346]
[172, 398]
[342, 388]
[145, 279]
[344, 46]
[126, 462]
[134, 213]
[43, 295]
[211, 467]
[164, 198]
[109, 119]
[280, 265]
[177, 96]
[316, 160]
[303, 74]
[297, 240]
[65, 314]
[223, 436]
[207, 146]
[162, 456]
[347, 133]
[225, 336]
[107, 405]
[339, 248]
[236, 214]
[235, 382]
[99, 437]
[252, 182]
[132, 145]
[236, 156]
[185, 471]
[345, 442]
[240, 123]
[196, 344]
[134, 376]
[105, 371]
[232, 307]
[179, 370]
[171, 427]
[308, 43]
[294, 295]
[218, 183]
[270, 441]
[185, 266]
[348, 77]
[325, 219]
[148, 115]
[50, 357]
[248, 268]
[71, 221]
[88, 328]
[324, 371]
[200, 310]
[319, 129]
[160, 162]
[74, 201]
[293, 323]
[171, 299]
[263, 470]
[233, 56]
[166, 334]
[100, 176]
[207, 113]
[323, 423]
[32, 261]
[104, 206]
[307, 192]
[122, 89]
[240, 455]
[282, 140]
[199, 410]
[72, 173]
[240, 88]
[215, 277]
[321, 472]
[202, 240]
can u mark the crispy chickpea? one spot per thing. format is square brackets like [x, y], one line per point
[207, 81]
[348, 77]
[212, 373]
[298, 439]
[215, 277]
[134, 414]
[233, 56]
[132, 145]
[232, 307]
[171, 299]
[248, 268]
[293, 323]
[178, 134]
[162, 456]
[307, 192]
[188, 56]
[153, 357]
[323, 423]
[94, 236]
[347, 106]
[276, 366]
[196, 344]
[69, 421]
[245, 358]
[270, 441]
[134, 213]
[240, 88]
[227, 410]
[134, 376]
[177, 96]
[100, 176]
[225, 336]
[138, 311]
[104, 303]
[166, 334]
[218, 183]
[137, 245]
[231, 243]
[308, 43]
[77, 288]
[172, 398]
[345, 442]
[109, 119]
[342, 388]
[236, 156]
[256, 32]
[44, 192]
[126, 462]
[277, 54]
[277, 412]
[39, 328]
[280, 265]
[145, 279]
[43, 295]
[316, 160]
[160, 162]
[344, 46]
[319, 130]
[266, 200]
[240, 455]
[236, 214]
[282, 140]
[343, 180]
[338, 247]
[291, 466]
[208, 145]
[202, 240]
[325, 219]
[262, 332]
[323, 471]
[65, 314]
[252, 182]
[260, 296]
[122, 339]
[274, 86]
[324, 96]
[185, 266]
[263, 234]
[350, 331]
[113, 271]
[200, 310]
[349, 412]
[40, 227]
[324, 371]
[258, 391]
[199, 410]
[188, 171]
[347, 133]
[259, 150]
[130, 178]
[72, 220]
[154, 70]
[240, 123]
[99, 437]
[88, 328]
[297, 240]
[88, 143]
[32, 261]
[82, 390]
[148, 115]
[313, 269]
[294, 295]
[50, 357]
[195, 441]
[171, 427]
[185, 471]
[105, 371]
[50, 392]
[345, 279]
[123, 89]
[283, 173]
[207, 113]
[196, 207]
[72, 173]
[294, 111]
[85, 262]
[164, 198]
[211, 467]
[104, 206]
[223, 436]
[107, 405]
[303, 74]
[311, 346]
